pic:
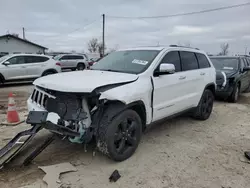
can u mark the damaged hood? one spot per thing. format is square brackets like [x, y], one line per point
[83, 81]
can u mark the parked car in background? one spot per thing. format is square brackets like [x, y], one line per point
[232, 76]
[24, 67]
[73, 61]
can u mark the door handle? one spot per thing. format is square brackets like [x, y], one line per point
[182, 77]
[202, 73]
[23, 66]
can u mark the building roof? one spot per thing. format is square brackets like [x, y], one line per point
[23, 40]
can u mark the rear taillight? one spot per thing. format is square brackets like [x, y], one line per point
[59, 64]
[91, 63]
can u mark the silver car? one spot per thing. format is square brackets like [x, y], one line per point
[73, 61]
[25, 67]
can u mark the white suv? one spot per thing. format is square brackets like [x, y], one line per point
[123, 93]
[73, 61]
[22, 67]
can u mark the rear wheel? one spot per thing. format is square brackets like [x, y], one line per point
[235, 95]
[80, 66]
[205, 107]
[119, 137]
[48, 73]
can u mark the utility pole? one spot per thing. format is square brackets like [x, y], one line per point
[103, 34]
[23, 33]
[246, 50]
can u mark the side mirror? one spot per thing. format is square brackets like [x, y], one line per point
[6, 63]
[165, 68]
[246, 69]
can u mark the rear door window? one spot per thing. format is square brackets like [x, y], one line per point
[35, 59]
[41, 59]
[202, 60]
[65, 57]
[188, 61]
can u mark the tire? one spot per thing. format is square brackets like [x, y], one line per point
[119, 136]
[248, 89]
[205, 106]
[80, 66]
[235, 95]
[48, 73]
[1, 81]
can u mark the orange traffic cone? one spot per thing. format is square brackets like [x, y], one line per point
[12, 115]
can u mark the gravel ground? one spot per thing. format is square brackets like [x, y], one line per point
[181, 152]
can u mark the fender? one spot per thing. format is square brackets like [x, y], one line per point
[139, 90]
[211, 86]
[53, 70]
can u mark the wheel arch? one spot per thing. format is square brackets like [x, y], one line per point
[49, 70]
[211, 86]
[116, 107]
[2, 78]
[81, 63]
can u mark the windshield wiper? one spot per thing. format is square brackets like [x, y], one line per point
[109, 70]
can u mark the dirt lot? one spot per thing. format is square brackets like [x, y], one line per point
[181, 153]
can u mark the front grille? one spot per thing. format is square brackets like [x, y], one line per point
[40, 97]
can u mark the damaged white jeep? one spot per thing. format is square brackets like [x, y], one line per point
[122, 94]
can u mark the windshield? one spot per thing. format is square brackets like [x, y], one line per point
[4, 58]
[229, 64]
[129, 61]
[57, 57]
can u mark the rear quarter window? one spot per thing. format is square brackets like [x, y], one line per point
[202, 60]
[188, 61]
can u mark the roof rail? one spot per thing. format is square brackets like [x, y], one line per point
[174, 45]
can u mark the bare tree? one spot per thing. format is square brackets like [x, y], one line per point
[224, 49]
[93, 45]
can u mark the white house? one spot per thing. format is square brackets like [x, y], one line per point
[10, 44]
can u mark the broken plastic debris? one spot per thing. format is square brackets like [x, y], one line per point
[53, 172]
[114, 176]
[247, 154]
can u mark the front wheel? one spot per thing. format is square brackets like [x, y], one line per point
[235, 95]
[48, 73]
[1, 82]
[119, 137]
[205, 107]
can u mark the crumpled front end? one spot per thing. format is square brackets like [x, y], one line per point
[68, 114]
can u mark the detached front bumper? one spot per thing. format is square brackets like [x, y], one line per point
[50, 121]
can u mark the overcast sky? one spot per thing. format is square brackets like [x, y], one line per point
[60, 24]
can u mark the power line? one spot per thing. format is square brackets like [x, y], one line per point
[183, 14]
[82, 28]
[77, 29]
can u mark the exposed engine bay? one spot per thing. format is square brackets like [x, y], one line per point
[74, 114]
